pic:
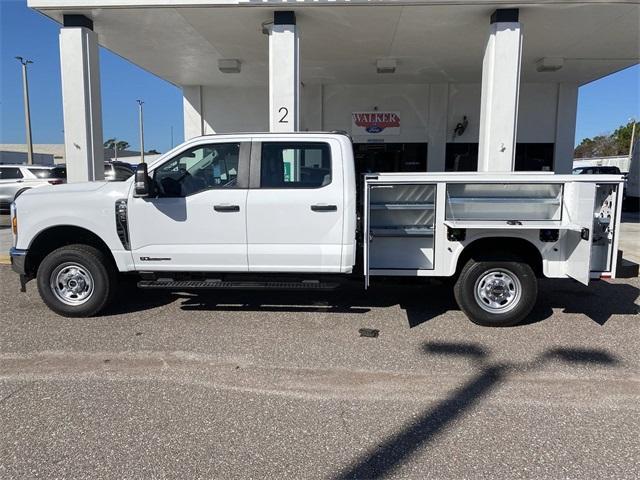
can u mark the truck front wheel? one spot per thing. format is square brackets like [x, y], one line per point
[496, 293]
[76, 281]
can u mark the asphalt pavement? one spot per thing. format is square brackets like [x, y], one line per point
[282, 385]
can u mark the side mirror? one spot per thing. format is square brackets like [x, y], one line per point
[142, 181]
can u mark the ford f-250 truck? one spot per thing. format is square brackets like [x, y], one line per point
[282, 211]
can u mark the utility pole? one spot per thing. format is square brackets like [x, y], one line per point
[171, 136]
[140, 102]
[27, 111]
[633, 138]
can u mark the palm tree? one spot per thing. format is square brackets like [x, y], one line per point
[115, 145]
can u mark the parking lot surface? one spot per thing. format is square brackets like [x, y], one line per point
[282, 385]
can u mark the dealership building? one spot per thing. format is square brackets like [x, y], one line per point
[420, 85]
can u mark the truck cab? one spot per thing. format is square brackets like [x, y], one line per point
[250, 203]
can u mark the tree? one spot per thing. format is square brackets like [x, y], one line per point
[114, 144]
[606, 145]
[122, 145]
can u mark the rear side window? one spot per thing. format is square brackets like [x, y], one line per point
[10, 173]
[295, 165]
[122, 173]
[59, 172]
[42, 172]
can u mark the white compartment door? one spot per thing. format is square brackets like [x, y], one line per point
[366, 235]
[579, 200]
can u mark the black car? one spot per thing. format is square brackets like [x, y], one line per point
[596, 170]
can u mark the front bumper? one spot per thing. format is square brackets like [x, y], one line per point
[18, 260]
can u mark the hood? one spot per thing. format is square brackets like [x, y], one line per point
[66, 188]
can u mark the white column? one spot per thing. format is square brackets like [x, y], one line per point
[437, 126]
[567, 110]
[500, 93]
[192, 108]
[284, 73]
[81, 104]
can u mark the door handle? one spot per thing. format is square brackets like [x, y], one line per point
[226, 208]
[324, 208]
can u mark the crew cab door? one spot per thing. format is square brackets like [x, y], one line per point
[196, 220]
[295, 207]
[579, 201]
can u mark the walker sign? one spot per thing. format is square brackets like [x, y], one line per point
[375, 123]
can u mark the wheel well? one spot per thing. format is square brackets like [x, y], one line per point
[500, 248]
[55, 237]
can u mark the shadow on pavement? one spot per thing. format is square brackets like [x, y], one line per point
[383, 459]
[420, 301]
[599, 301]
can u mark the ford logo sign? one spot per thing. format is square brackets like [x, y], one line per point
[374, 129]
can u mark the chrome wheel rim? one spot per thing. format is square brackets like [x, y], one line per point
[72, 283]
[498, 291]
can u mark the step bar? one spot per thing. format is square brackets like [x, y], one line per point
[215, 284]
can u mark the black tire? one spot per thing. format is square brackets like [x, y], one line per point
[94, 265]
[495, 307]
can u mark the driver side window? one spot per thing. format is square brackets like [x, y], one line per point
[200, 168]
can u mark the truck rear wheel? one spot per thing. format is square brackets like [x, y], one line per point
[76, 281]
[496, 293]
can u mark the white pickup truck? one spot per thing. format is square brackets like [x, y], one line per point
[282, 211]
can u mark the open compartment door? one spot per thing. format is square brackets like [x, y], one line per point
[366, 234]
[579, 201]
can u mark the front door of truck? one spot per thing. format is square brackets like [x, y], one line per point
[295, 208]
[196, 218]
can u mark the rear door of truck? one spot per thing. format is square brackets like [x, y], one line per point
[295, 206]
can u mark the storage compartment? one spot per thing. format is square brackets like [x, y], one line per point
[497, 201]
[401, 226]
[604, 218]
[401, 253]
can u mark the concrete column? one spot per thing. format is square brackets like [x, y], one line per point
[437, 126]
[567, 110]
[192, 108]
[82, 108]
[284, 73]
[500, 93]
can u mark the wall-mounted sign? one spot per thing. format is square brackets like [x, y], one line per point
[375, 123]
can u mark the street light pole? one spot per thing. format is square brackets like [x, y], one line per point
[633, 138]
[27, 111]
[140, 102]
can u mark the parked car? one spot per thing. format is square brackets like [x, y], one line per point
[117, 171]
[113, 171]
[596, 170]
[16, 179]
[279, 211]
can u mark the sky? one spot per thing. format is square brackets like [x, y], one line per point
[602, 105]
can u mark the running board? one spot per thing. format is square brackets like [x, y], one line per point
[234, 285]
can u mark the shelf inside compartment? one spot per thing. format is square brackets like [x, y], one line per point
[504, 200]
[402, 206]
[402, 194]
[402, 231]
[502, 224]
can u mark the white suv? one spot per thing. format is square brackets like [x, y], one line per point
[15, 179]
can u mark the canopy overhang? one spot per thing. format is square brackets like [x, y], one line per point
[442, 41]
